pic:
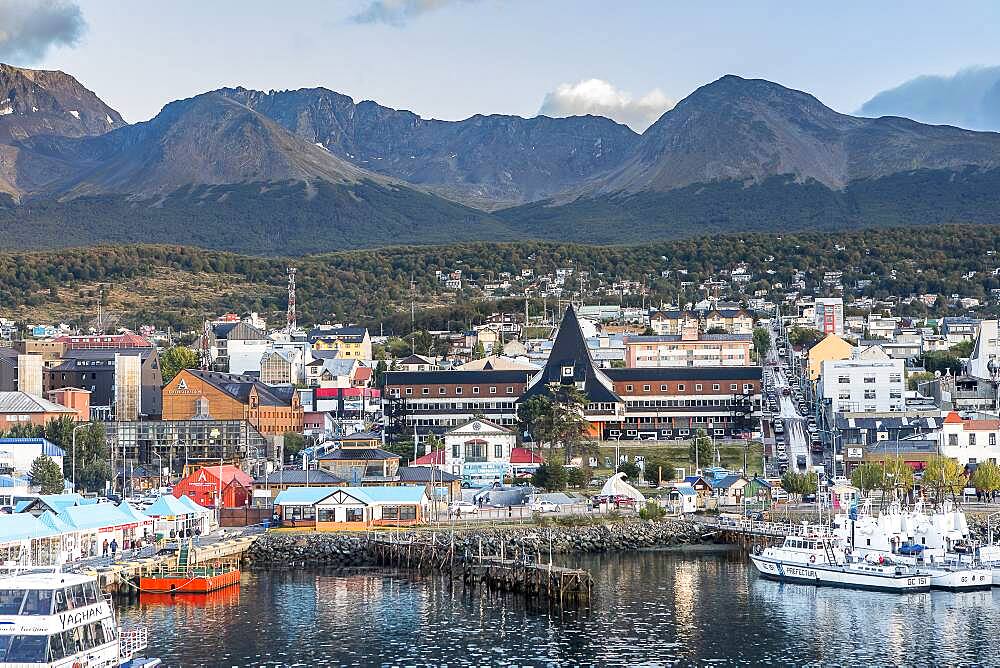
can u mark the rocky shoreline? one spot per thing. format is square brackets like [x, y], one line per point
[354, 549]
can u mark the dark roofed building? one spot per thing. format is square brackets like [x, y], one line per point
[98, 371]
[265, 488]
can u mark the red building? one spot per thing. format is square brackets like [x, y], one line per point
[206, 484]
[102, 341]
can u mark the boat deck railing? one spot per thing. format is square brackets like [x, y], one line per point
[132, 640]
[754, 527]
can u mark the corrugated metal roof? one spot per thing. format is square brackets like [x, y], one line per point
[303, 496]
[22, 527]
[95, 516]
[22, 402]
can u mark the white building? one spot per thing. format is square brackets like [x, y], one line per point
[479, 451]
[828, 315]
[969, 441]
[863, 386]
[986, 350]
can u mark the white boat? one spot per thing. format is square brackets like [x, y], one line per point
[921, 541]
[822, 561]
[62, 620]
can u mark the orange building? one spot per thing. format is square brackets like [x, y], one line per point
[207, 484]
[75, 398]
[21, 408]
[223, 396]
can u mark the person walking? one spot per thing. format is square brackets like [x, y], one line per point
[104, 548]
[114, 548]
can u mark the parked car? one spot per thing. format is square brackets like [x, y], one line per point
[463, 507]
[544, 507]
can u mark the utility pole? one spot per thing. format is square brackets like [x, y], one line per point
[413, 320]
[290, 317]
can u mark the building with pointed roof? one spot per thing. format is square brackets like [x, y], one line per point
[571, 365]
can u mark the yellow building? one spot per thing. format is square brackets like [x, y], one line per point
[829, 349]
[349, 342]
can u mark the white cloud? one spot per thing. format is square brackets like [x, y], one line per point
[400, 12]
[28, 28]
[598, 97]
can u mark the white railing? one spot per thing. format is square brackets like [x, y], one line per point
[132, 640]
[764, 528]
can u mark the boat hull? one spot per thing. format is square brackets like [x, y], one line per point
[188, 584]
[839, 577]
[971, 579]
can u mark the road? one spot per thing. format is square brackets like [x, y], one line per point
[796, 432]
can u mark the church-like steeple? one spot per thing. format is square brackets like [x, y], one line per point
[570, 363]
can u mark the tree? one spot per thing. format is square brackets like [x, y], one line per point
[294, 444]
[379, 373]
[46, 475]
[986, 478]
[944, 476]
[93, 454]
[630, 469]
[700, 451]
[963, 348]
[497, 349]
[804, 336]
[942, 360]
[535, 417]
[569, 427]
[550, 476]
[175, 359]
[578, 476]
[479, 352]
[652, 511]
[913, 380]
[761, 342]
[866, 477]
[897, 477]
[654, 468]
[800, 484]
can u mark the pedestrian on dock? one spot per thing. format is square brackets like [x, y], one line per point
[114, 548]
[104, 548]
[197, 536]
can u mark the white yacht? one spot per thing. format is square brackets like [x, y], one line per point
[821, 560]
[925, 542]
[62, 620]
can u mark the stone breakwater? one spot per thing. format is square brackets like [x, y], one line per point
[354, 549]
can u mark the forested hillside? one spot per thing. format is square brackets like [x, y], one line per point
[179, 286]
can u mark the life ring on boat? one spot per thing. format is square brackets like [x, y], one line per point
[757, 549]
[812, 558]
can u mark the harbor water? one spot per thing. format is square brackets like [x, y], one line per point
[649, 609]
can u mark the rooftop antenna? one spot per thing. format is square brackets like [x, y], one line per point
[206, 346]
[290, 325]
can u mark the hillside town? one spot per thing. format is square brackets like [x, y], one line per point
[708, 405]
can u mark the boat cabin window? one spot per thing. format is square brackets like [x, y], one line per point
[23, 648]
[79, 639]
[26, 601]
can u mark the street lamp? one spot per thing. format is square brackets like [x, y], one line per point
[79, 426]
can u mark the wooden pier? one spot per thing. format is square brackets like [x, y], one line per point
[122, 577]
[748, 533]
[523, 573]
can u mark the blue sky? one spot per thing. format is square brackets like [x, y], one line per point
[453, 58]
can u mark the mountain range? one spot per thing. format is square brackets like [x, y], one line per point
[310, 170]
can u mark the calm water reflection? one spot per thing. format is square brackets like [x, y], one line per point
[653, 608]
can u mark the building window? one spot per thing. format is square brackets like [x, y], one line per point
[870, 379]
[355, 514]
[645, 388]
[869, 394]
[697, 387]
[425, 391]
[993, 439]
[734, 387]
[844, 380]
[663, 388]
[952, 439]
[844, 395]
[409, 391]
[567, 371]
[680, 387]
[458, 390]
[456, 451]
[475, 390]
[510, 390]
[895, 378]
[628, 388]
[972, 439]
[498, 451]
[715, 386]
[493, 390]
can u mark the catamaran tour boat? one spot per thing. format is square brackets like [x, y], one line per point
[929, 543]
[61, 620]
[821, 560]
